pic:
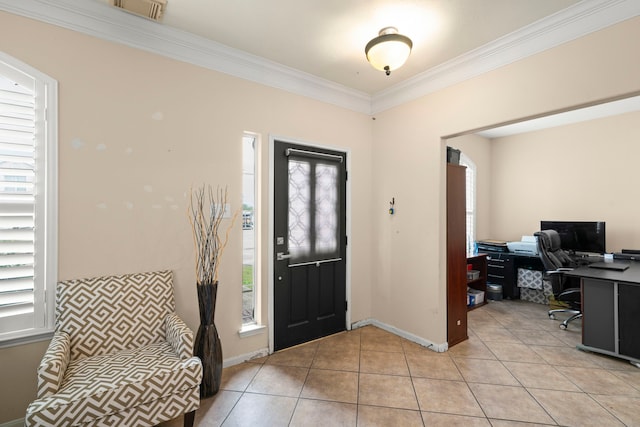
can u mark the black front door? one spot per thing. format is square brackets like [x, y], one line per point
[310, 242]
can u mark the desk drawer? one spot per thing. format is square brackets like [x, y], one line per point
[501, 271]
[496, 268]
[496, 278]
[497, 260]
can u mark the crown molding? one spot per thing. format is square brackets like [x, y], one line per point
[100, 20]
[569, 24]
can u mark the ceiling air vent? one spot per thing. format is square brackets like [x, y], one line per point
[152, 9]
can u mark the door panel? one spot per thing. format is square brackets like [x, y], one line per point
[628, 315]
[310, 243]
[598, 325]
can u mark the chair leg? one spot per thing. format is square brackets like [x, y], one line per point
[565, 324]
[562, 310]
[189, 417]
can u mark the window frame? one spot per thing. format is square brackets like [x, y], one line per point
[45, 203]
[470, 198]
[256, 144]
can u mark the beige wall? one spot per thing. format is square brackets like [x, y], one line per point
[409, 160]
[584, 171]
[136, 131]
[114, 151]
[19, 382]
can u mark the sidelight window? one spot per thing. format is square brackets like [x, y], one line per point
[471, 201]
[249, 229]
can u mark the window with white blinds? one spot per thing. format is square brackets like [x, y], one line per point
[28, 102]
[471, 201]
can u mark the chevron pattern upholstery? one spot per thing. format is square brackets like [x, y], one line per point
[120, 356]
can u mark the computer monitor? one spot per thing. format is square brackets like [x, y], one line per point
[579, 236]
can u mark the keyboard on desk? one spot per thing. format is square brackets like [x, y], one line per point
[579, 260]
[618, 266]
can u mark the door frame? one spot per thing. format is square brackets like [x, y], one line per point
[271, 237]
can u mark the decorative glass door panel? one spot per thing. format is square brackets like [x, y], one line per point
[313, 210]
[326, 209]
[299, 208]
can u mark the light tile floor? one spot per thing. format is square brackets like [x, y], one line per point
[517, 369]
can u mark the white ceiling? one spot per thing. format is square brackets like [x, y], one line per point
[326, 38]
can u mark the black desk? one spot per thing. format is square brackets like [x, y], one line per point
[611, 310]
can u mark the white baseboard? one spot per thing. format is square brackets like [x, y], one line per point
[243, 358]
[440, 348]
[14, 423]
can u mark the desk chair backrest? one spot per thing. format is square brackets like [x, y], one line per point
[552, 256]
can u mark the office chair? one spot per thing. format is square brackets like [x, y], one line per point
[556, 262]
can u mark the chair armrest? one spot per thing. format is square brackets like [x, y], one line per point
[570, 292]
[572, 297]
[179, 336]
[54, 364]
[558, 271]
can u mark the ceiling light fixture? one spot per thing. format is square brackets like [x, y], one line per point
[389, 50]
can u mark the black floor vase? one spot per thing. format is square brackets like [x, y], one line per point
[207, 342]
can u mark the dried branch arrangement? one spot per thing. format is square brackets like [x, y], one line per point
[206, 215]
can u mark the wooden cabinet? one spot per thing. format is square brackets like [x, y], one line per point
[456, 255]
[479, 263]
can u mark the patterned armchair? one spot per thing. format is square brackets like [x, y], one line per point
[120, 356]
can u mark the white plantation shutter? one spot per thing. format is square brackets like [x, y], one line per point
[27, 201]
[17, 173]
[471, 201]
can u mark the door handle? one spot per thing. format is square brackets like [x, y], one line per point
[281, 256]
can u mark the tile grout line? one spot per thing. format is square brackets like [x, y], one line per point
[413, 386]
[358, 383]
[244, 391]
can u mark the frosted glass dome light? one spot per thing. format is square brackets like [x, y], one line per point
[389, 51]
